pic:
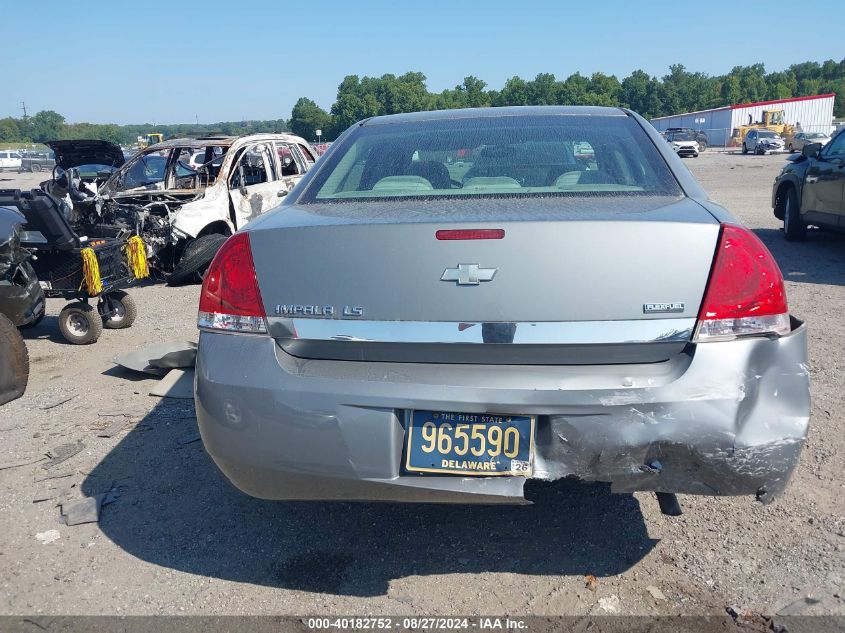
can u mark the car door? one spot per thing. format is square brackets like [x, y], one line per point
[824, 184]
[253, 183]
[292, 164]
[751, 140]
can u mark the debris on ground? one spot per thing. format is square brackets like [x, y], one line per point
[59, 475]
[796, 607]
[590, 582]
[610, 604]
[159, 358]
[114, 428]
[655, 592]
[25, 462]
[87, 509]
[50, 493]
[62, 453]
[58, 403]
[178, 383]
[48, 537]
[747, 619]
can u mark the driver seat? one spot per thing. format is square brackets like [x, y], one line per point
[43, 214]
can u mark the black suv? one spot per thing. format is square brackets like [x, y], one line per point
[697, 135]
[811, 189]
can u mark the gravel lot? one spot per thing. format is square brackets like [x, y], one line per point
[180, 539]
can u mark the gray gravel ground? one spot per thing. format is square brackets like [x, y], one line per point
[180, 539]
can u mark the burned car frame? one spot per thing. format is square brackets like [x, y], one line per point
[183, 206]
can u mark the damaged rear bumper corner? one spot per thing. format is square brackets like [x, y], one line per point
[729, 418]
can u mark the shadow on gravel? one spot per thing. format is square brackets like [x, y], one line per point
[819, 259]
[176, 510]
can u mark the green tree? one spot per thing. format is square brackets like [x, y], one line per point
[45, 126]
[307, 117]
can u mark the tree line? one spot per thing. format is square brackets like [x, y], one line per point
[48, 125]
[361, 97]
[678, 91]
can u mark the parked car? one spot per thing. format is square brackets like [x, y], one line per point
[762, 142]
[184, 209]
[402, 328]
[811, 189]
[800, 139]
[21, 305]
[9, 160]
[697, 135]
[683, 143]
[37, 161]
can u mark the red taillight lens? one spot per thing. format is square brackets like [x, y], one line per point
[470, 234]
[230, 299]
[745, 294]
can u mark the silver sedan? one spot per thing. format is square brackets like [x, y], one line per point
[452, 304]
[800, 139]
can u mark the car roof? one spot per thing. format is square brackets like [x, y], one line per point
[224, 140]
[473, 113]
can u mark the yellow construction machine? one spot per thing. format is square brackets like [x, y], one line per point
[772, 120]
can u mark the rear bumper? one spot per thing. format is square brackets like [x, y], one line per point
[726, 419]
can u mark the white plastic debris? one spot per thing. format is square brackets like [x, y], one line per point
[48, 537]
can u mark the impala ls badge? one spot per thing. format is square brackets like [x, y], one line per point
[468, 274]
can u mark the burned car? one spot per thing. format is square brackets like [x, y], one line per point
[183, 206]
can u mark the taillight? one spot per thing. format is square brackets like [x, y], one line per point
[230, 299]
[745, 294]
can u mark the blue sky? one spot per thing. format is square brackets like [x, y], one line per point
[214, 60]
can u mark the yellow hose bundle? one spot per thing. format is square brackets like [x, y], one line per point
[136, 254]
[91, 272]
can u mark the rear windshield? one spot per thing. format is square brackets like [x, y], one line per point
[494, 157]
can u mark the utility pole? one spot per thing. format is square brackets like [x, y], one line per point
[23, 107]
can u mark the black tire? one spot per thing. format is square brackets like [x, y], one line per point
[195, 259]
[80, 323]
[791, 149]
[744, 148]
[34, 168]
[14, 362]
[794, 229]
[125, 311]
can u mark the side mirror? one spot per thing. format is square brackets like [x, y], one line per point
[811, 150]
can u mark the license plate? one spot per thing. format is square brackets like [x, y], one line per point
[470, 444]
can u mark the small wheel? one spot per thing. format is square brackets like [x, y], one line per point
[80, 323]
[123, 310]
[794, 229]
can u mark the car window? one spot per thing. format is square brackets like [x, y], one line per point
[306, 152]
[288, 160]
[252, 168]
[836, 147]
[144, 170]
[494, 157]
[766, 134]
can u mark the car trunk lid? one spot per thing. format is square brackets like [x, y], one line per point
[593, 285]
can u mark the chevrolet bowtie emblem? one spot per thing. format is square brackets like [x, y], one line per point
[468, 274]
